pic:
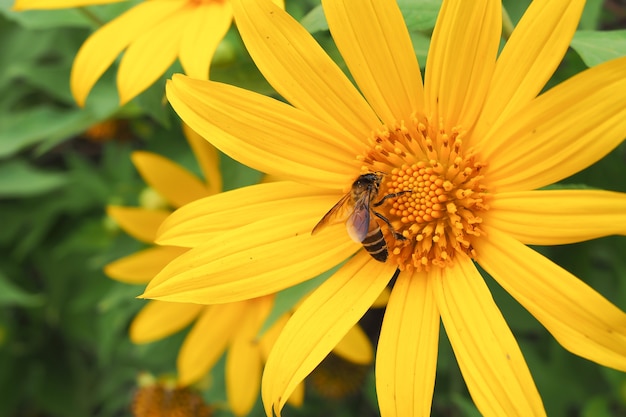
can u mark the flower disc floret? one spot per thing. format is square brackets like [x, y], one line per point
[441, 215]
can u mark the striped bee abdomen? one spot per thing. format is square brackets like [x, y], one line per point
[374, 243]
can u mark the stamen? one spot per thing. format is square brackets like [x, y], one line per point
[440, 192]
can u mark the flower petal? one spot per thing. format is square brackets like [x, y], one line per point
[557, 217]
[355, 347]
[142, 266]
[159, 319]
[173, 182]
[20, 5]
[243, 377]
[243, 361]
[102, 48]
[373, 39]
[151, 54]
[559, 133]
[264, 133]
[406, 358]
[140, 223]
[579, 318]
[318, 324]
[529, 58]
[195, 223]
[207, 340]
[251, 261]
[461, 61]
[299, 69]
[491, 362]
[203, 32]
[208, 159]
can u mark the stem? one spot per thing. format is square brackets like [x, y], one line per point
[89, 15]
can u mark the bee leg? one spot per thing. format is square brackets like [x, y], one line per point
[388, 196]
[397, 235]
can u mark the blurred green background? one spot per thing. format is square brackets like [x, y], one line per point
[64, 348]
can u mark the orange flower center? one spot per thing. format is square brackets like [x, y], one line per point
[441, 196]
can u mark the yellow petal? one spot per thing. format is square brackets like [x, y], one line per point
[173, 182]
[203, 32]
[102, 48]
[461, 61]
[490, 360]
[373, 39]
[559, 133]
[296, 399]
[56, 4]
[269, 337]
[254, 260]
[140, 223]
[318, 324]
[151, 53]
[243, 361]
[406, 358]
[243, 377]
[299, 69]
[529, 58]
[159, 319]
[382, 299]
[208, 159]
[142, 266]
[579, 318]
[355, 347]
[207, 340]
[195, 223]
[557, 217]
[264, 133]
[267, 342]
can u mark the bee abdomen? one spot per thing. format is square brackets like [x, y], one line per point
[374, 243]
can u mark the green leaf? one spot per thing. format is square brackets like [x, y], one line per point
[45, 19]
[12, 295]
[418, 15]
[27, 128]
[595, 47]
[597, 407]
[315, 21]
[19, 179]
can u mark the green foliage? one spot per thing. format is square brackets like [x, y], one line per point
[596, 47]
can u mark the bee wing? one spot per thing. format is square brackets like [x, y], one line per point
[358, 223]
[339, 213]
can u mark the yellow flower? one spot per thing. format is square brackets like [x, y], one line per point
[469, 148]
[217, 328]
[161, 319]
[152, 34]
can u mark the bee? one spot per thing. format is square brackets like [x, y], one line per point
[356, 208]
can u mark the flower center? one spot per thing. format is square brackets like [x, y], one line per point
[440, 216]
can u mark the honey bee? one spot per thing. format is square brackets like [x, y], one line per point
[356, 208]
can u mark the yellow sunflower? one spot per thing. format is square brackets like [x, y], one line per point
[152, 35]
[462, 155]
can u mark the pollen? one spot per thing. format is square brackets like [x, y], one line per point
[437, 178]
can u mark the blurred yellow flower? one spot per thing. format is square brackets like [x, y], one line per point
[464, 156]
[152, 34]
[231, 327]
